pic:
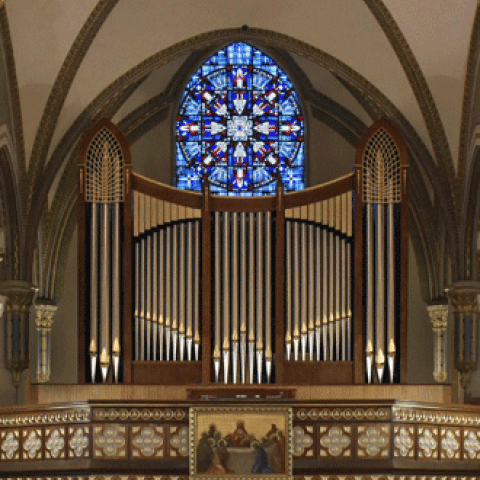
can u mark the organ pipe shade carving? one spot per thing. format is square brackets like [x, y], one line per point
[104, 169]
[381, 170]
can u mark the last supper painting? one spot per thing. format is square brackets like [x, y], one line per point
[253, 442]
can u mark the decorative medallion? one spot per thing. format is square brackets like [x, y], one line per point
[179, 441]
[109, 441]
[32, 444]
[335, 441]
[55, 443]
[78, 443]
[427, 442]
[450, 444]
[10, 446]
[373, 441]
[403, 441]
[303, 441]
[147, 441]
[471, 444]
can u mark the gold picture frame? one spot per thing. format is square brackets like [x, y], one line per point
[241, 442]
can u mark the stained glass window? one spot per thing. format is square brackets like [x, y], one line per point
[240, 125]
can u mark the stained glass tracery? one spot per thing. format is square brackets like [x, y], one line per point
[240, 125]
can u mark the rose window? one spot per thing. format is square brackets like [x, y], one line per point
[240, 126]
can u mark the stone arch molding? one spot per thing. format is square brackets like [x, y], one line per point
[99, 107]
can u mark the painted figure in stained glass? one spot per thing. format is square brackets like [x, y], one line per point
[240, 125]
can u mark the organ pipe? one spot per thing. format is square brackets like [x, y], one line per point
[391, 293]
[325, 264]
[93, 291]
[318, 291]
[190, 279]
[235, 334]
[288, 300]
[104, 292]
[174, 324]
[243, 299]
[268, 297]
[168, 289]
[331, 302]
[259, 298]
[251, 298]
[116, 292]
[181, 309]
[218, 305]
[311, 292]
[296, 295]
[226, 296]
[155, 295]
[369, 300]
[304, 291]
[148, 273]
[161, 294]
[196, 293]
[380, 295]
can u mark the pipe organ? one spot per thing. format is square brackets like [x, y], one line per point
[299, 288]
[166, 242]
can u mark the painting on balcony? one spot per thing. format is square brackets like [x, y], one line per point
[248, 442]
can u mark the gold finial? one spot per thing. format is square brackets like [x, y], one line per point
[116, 347]
[104, 358]
[380, 358]
[93, 347]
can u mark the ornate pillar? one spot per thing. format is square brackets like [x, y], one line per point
[19, 295]
[439, 318]
[45, 310]
[465, 306]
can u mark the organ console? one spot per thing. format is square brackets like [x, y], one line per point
[300, 288]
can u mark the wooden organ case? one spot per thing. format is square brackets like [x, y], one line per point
[302, 288]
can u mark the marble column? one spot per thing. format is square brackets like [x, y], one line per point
[45, 310]
[438, 312]
[19, 297]
[465, 307]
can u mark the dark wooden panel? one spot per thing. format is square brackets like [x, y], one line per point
[166, 373]
[165, 192]
[318, 373]
[320, 192]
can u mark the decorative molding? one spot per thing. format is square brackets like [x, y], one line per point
[342, 414]
[434, 416]
[48, 417]
[141, 414]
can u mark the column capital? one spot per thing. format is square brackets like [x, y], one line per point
[45, 310]
[438, 315]
[464, 296]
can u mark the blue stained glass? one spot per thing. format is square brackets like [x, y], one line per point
[240, 125]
